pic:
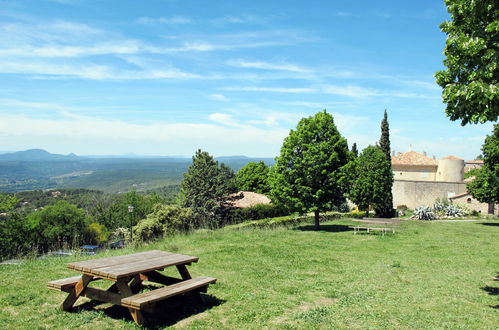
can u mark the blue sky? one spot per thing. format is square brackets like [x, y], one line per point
[166, 77]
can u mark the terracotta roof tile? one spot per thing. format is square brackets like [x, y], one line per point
[413, 158]
[245, 199]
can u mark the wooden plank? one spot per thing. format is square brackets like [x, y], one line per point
[101, 295]
[156, 277]
[63, 283]
[88, 265]
[139, 300]
[119, 271]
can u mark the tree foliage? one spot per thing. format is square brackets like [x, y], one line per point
[7, 203]
[307, 175]
[385, 208]
[254, 177]
[164, 220]
[354, 151]
[384, 141]
[371, 179]
[204, 187]
[485, 187]
[470, 82]
[59, 225]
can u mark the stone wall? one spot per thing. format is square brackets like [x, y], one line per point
[471, 203]
[417, 193]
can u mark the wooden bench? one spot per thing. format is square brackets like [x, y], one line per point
[377, 224]
[142, 301]
[65, 284]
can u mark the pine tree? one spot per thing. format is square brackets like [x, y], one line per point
[205, 186]
[385, 208]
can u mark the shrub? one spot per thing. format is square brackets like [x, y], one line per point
[453, 211]
[423, 213]
[96, 233]
[164, 220]
[260, 211]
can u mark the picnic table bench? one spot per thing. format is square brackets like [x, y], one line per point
[383, 225]
[127, 274]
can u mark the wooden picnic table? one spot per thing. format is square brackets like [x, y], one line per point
[127, 274]
[379, 224]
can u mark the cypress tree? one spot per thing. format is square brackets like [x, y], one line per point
[384, 141]
[385, 208]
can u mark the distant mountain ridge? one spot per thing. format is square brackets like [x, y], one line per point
[38, 169]
[36, 155]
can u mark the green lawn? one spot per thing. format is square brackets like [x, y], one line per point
[429, 275]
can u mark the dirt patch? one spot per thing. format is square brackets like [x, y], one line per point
[320, 302]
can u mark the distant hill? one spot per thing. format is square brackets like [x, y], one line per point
[38, 169]
[35, 155]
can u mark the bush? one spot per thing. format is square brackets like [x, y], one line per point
[164, 220]
[96, 233]
[260, 211]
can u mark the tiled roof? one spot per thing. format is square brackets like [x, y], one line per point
[245, 199]
[474, 161]
[413, 158]
[459, 195]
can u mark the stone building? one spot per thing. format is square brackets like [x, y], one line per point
[467, 201]
[421, 180]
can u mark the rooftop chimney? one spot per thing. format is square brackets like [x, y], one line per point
[424, 153]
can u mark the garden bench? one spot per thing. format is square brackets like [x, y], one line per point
[376, 224]
[127, 274]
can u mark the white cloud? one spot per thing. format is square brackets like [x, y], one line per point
[270, 89]
[218, 97]
[350, 91]
[82, 134]
[174, 20]
[267, 66]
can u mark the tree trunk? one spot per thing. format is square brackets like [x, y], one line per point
[367, 211]
[317, 224]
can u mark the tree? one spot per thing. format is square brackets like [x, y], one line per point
[59, 225]
[485, 187]
[7, 203]
[470, 82]
[307, 175]
[371, 180]
[254, 177]
[385, 209]
[204, 187]
[384, 141]
[355, 152]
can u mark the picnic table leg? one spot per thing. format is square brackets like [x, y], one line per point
[76, 292]
[125, 291]
[184, 272]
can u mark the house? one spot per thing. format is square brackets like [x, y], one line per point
[468, 201]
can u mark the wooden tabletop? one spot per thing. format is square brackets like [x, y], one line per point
[114, 268]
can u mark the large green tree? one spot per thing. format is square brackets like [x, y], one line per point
[371, 179]
[254, 177]
[485, 187]
[59, 225]
[470, 82]
[204, 188]
[307, 175]
[385, 208]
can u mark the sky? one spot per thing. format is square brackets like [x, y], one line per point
[168, 77]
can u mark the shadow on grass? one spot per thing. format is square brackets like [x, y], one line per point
[170, 312]
[327, 228]
[492, 224]
[493, 292]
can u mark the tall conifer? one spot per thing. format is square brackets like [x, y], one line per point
[385, 208]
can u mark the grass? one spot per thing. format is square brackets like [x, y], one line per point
[429, 275]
